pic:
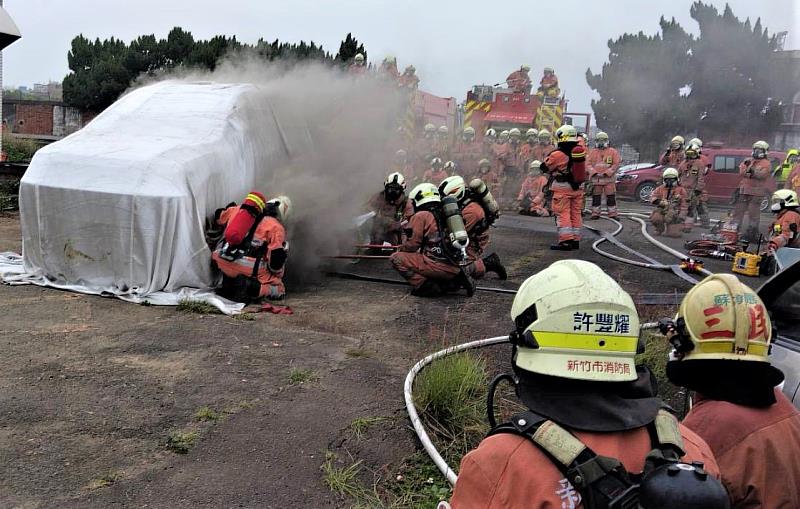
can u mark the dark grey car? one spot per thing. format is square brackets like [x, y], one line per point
[781, 295]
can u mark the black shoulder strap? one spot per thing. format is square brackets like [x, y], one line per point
[602, 481]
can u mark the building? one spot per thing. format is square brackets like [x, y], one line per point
[787, 65]
[43, 121]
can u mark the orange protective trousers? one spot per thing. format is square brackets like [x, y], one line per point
[416, 268]
[567, 207]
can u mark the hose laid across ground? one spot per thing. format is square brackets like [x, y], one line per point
[662, 246]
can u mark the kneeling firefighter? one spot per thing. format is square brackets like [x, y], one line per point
[479, 210]
[595, 434]
[253, 252]
[721, 338]
[785, 229]
[392, 211]
[672, 205]
[434, 250]
[567, 165]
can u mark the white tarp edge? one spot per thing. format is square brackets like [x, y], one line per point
[12, 272]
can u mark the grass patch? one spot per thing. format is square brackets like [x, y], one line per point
[196, 306]
[450, 397]
[342, 480]
[207, 414]
[103, 481]
[181, 442]
[247, 317]
[9, 195]
[360, 425]
[298, 376]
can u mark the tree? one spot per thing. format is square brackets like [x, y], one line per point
[348, 49]
[640, 87]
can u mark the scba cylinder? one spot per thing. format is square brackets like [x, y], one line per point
[481, 192]
[456, 231]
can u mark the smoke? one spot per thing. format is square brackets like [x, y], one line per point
[337, 129]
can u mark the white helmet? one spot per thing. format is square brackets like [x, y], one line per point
[544, 136]
[401, 156]
[525, 67]
[670, 173]
[390, 60]
[760, 149]
[572, 320]
[453, 186]
[566, 133]
[549, 69]
[531, 133]
[697, 142]
[450, 167]
[395, 178]
[430, 128]
[410, 69]
[677, 142]
[484, 163]
[469, 132]
[436, 163]
[423, 194]
[491, 133]
[443, 130]
[503, 136]
[601, 139]
[359, 57]
[515, 133]
[282, 206]
[535, 166]
[784, 198]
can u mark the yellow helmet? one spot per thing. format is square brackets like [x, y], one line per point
[566, 133]
[724, 319]
[423, 194]
[572, 320]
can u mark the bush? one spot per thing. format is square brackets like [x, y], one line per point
[9, 194]
[655, 357]
[19, 150]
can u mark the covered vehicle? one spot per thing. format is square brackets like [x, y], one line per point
[120, 207]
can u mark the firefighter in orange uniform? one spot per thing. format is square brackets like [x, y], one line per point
[544, 147]
[567, 165]
[785, 229]
[443, 142]
[477, 223]
[584, 405]
[693, 178]
[525, 152]
[603, 163]
[755, 174]
[388, 70]
[672, 205]
[674, 156]
[467, 152]
[253, 252]
[409, 79]
[436, 172]
[358, 67]
[531, 195]
[520, 81]
[548, 86]
[421, 259]
[721, 339]
[489, 176]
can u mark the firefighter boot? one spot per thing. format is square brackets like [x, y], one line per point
[428, 289]
[575, 244]
[564, 245]
[492, 264]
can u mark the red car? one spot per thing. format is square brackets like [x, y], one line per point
[721, 180]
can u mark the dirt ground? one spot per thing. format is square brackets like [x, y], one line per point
[93, 387]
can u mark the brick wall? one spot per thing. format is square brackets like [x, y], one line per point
[33, 119]
[42, 118]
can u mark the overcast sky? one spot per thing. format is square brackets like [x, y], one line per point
[453, 44]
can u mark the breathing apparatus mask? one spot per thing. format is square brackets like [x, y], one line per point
[393, 191]
[759, 153]
[670, 182]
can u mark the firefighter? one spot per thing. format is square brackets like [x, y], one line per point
[443, 142]
[548, 86]
[392, 211]
[581, 395]
[253, 252]
[567, 166]
[693, 178]
[400, 163]
[721, 338]
[673, 157]
[793, 178]
[531, 195]
[489, 139]
[422, 260]
[467, 152]
[544, 147]
[436, 172]
[520, 81]
[755, 173]
[489, 176]
[672, 205]
[427, 146]
[358, 66]
[450, 168]
[603, 163]
[409, 78]
[388, 70]
[477, 221]
[785, 229]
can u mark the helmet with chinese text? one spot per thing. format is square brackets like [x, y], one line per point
[572, 320]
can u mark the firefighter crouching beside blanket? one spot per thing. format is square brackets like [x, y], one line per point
[253, 252]
[594, 434]
[567, 165]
